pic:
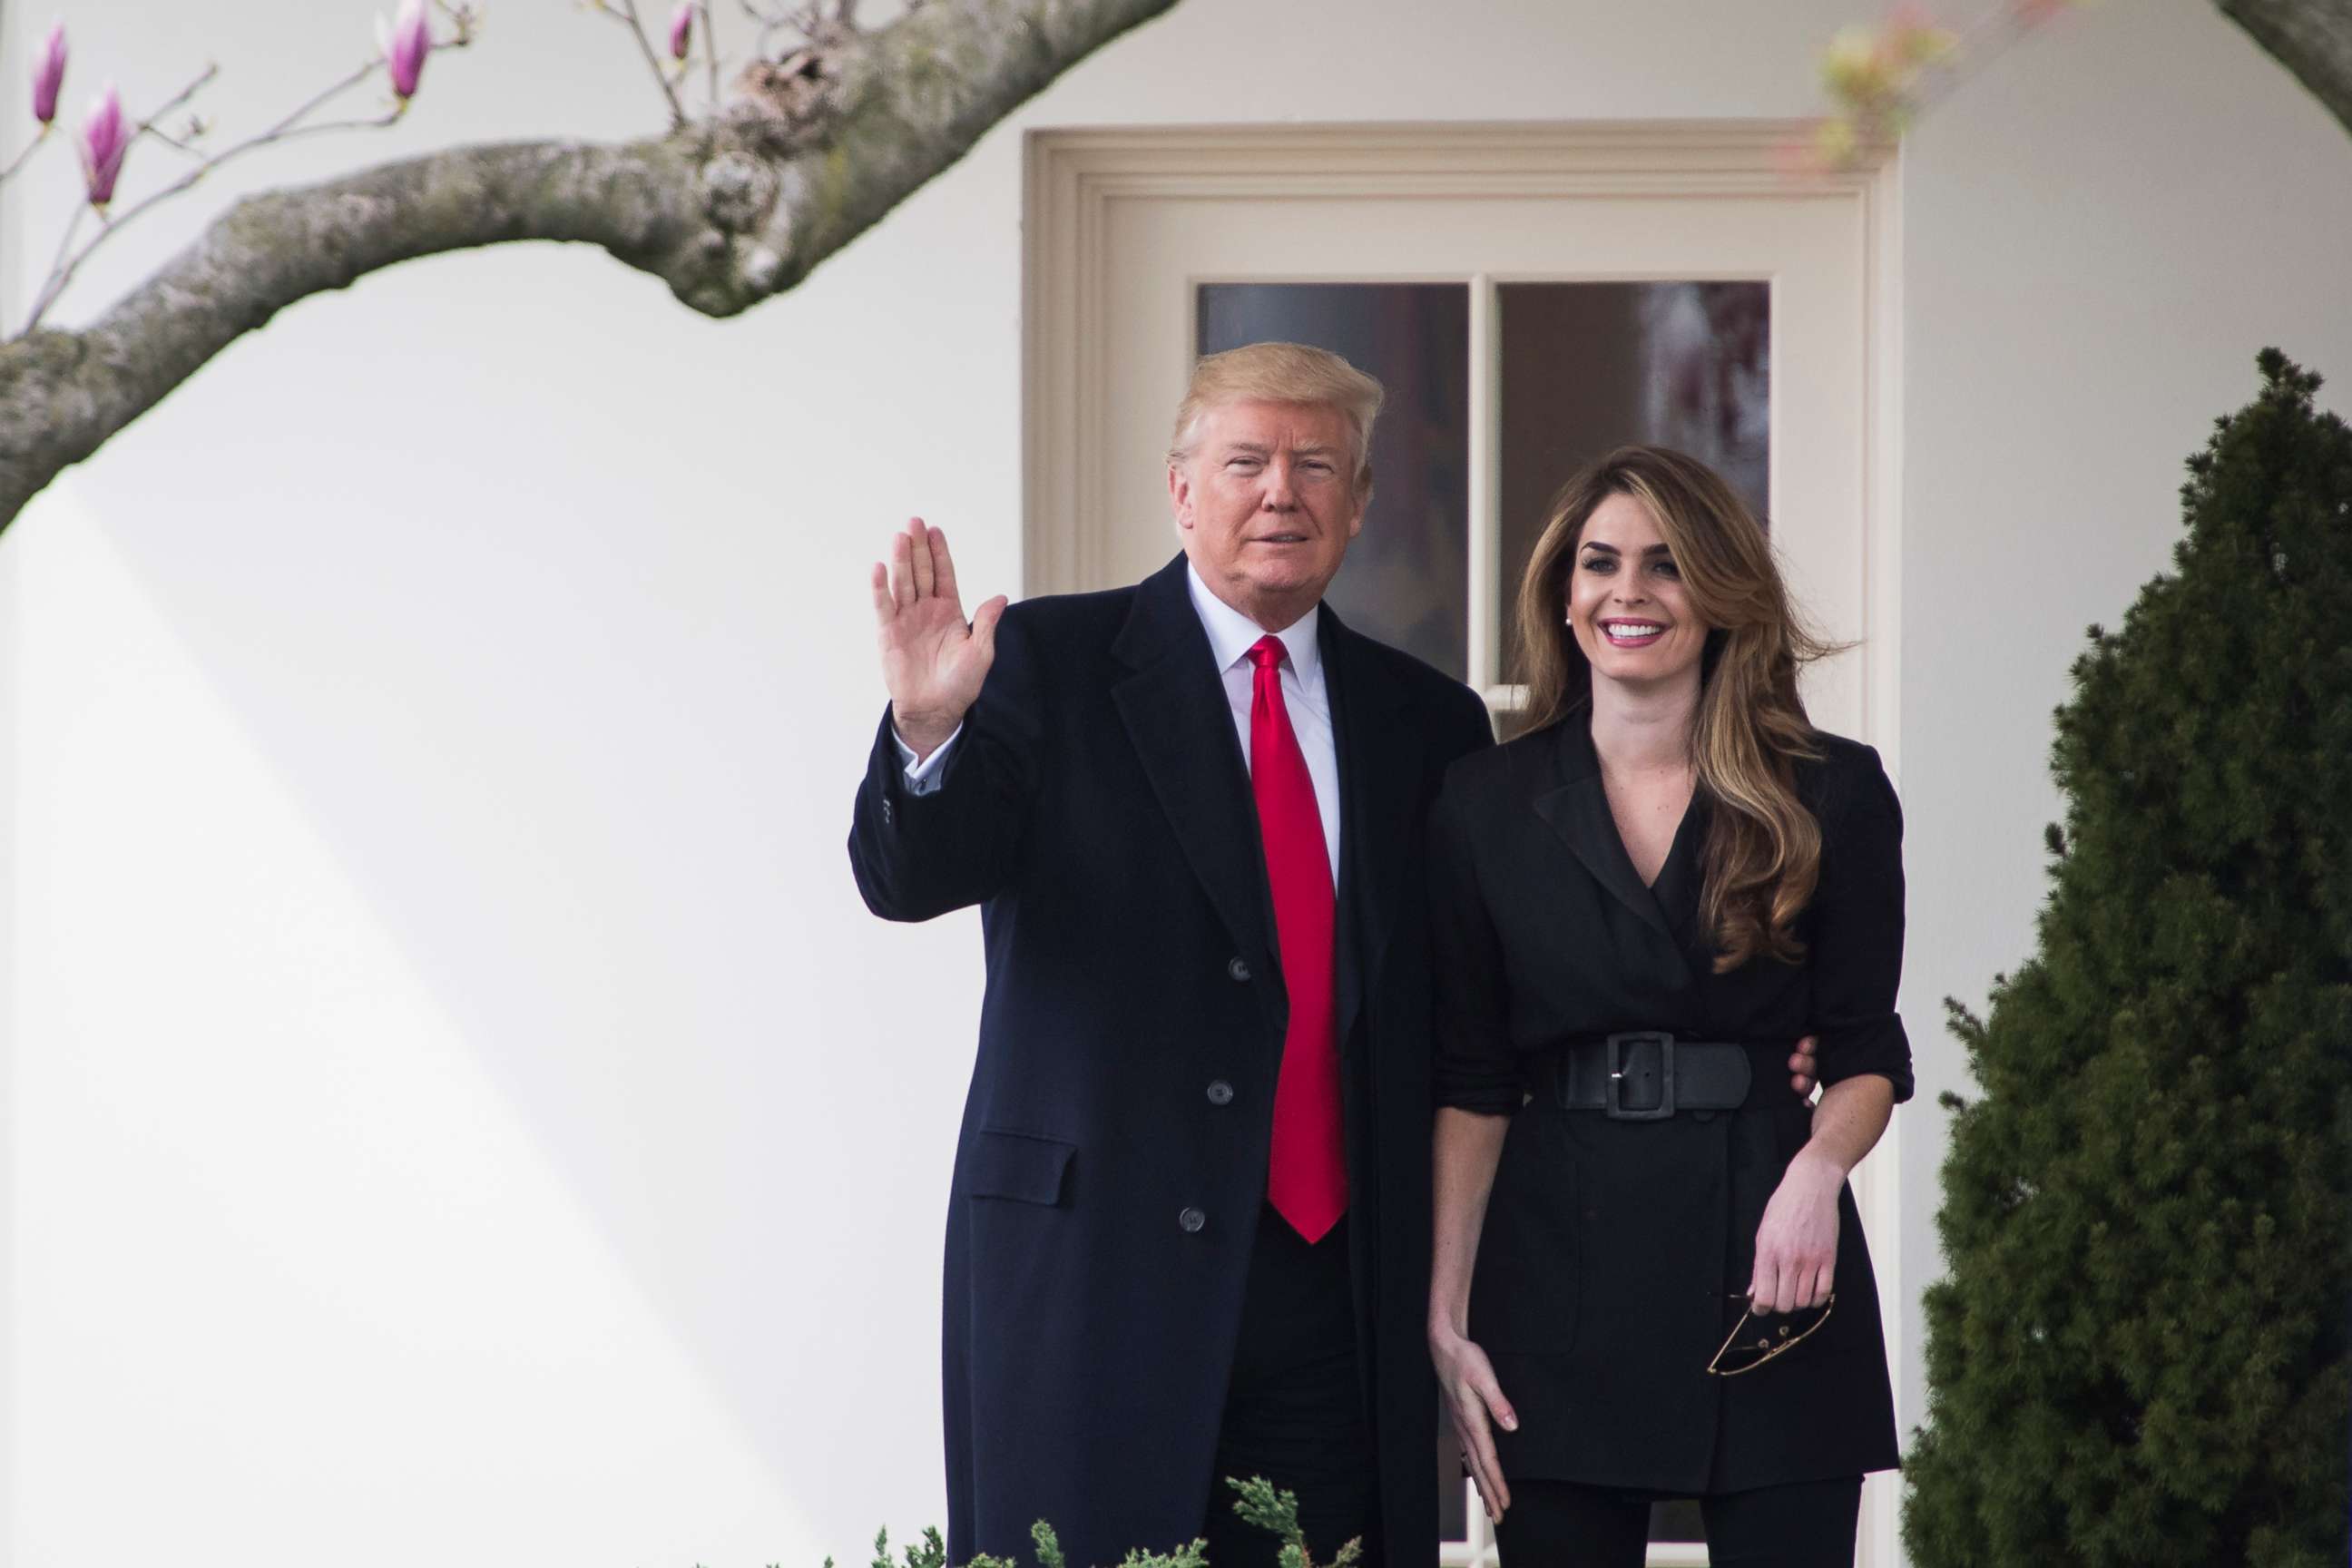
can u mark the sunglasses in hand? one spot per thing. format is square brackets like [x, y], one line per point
[1755, 1340]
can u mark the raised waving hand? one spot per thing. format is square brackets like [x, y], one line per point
[933, 660]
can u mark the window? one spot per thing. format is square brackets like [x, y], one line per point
[1571, 371]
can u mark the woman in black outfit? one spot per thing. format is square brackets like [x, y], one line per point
[1650, 1278]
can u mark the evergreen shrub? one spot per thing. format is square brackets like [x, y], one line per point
[2138, 1357]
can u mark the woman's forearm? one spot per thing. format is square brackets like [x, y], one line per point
[1848, 1122]
[1467, 1146]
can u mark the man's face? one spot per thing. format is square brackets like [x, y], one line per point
[1266, 504]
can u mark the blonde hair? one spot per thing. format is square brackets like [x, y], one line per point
[1281, 373]
[1763, 852]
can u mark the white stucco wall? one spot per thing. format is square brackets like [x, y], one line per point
[455, 1108]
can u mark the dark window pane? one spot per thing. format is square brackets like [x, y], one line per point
[1590, 366]
[1405, 581]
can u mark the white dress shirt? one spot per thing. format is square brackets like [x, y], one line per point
[1231, 637]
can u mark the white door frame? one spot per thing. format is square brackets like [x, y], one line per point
[1075, 177]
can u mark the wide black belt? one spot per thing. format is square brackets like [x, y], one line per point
[1644, 1075]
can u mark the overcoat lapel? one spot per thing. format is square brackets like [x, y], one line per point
[1577, 808]
[1176, 715]
[1380, 785]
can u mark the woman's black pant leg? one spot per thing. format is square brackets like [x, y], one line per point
[1559, 1524]
[1806, 1524]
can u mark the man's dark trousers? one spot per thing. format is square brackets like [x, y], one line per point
[1295, 1405]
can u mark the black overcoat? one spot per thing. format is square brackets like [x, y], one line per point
[1613, 1249]
[1112, 1161]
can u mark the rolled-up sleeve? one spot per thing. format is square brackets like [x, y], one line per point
[1475, 1068]
[1857, 935]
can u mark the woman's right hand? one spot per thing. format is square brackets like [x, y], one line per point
[1475, 1400]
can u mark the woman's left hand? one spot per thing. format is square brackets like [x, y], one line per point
[1795, 1246]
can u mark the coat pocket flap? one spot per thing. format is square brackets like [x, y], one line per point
[1016, 1165]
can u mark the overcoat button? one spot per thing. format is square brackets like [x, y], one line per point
[1191, 1221]
[886, 811]
[1237, 969]
[1220, 1092]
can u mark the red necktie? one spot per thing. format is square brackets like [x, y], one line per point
[1307, 1171]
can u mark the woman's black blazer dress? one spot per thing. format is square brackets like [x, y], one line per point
[1613, 1250]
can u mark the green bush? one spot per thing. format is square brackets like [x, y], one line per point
[2139, 1354]
[1259, 1503]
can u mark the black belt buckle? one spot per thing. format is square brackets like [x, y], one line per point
[1621, 1067]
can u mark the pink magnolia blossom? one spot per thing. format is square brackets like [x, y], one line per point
[49, 73]
[1913, 41]
[681, 29]
[405, 45]
[1877, 75]
[104, 140]
[1854, 68]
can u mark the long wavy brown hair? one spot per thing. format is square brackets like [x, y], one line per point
[1763, 851]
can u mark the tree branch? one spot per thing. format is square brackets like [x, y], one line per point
[626, 13]
[2312, 38]
[709, 47]
[39, 137]
[728, 213]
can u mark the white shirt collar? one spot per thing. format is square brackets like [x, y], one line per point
[1231, 634]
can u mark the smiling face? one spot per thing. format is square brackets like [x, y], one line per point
[1626, 602]
[1266, 502]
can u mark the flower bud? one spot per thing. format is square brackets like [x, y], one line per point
[49, 73]
[681, 29]
[405, 45]
[104, 140]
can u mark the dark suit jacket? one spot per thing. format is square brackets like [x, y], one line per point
[1113, 1154]
[1611, 1249]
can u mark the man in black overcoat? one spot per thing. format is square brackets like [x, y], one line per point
[1188, 1234]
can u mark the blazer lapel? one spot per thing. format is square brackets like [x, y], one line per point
[1577, 810]
[1677, 891]
[1379, 789]
[1176, 715]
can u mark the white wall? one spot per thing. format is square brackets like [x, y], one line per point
[457, 1108]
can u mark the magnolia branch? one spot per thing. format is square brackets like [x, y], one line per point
[61, 275]
[178, 99]
[145, 128]
[626, 13]
[24, 153]
[709, 46]
[771, 23]
[1881, 79]
[727, 212]
[2312, 38]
